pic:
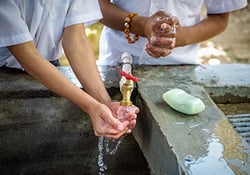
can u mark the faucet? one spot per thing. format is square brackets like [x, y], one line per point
[127, 88]
[127, 79]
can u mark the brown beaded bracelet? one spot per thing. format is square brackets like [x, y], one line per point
[127, 22]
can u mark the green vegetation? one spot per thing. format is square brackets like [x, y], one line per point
[93, 33]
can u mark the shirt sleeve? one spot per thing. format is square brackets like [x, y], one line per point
[13, 29]
[87, 12]
[222, 6]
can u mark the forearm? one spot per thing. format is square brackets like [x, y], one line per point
[206, 29]
[83, 62]
[117, 21]
[50, 76]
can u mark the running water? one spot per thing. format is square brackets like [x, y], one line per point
[109, 146]
[102, 166]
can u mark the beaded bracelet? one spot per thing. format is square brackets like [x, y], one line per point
[127, 22]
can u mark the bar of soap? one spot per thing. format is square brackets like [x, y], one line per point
[183, 102]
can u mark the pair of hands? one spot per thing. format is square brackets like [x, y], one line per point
[106, 123]
[161, 33]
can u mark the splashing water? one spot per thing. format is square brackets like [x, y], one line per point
[109, 146]
[102, 166]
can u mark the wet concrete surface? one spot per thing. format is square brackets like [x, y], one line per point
[200, 144]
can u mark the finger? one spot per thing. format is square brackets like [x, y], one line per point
[114, 122]
[166, 52]
[107, 130]
[163, 42]
[157, 51]
[158, 54]
[168, 43]
[111, 131]
[175, 21]
[132, 124]
[152, 54]
[171, 20]
[137, 110]
[114, 106]
[129, 131]
[164, 26]
[116, 136]
[172, 46]
[162, 14]
[132, 116]
[134, 109]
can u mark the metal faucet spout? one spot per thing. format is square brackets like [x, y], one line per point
[127, 88]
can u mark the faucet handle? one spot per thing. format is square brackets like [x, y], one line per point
[129, 76]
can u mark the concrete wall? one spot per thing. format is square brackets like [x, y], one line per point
[42, 133]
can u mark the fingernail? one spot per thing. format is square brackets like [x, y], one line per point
[170, 39]
[153, 38]
[163, 26]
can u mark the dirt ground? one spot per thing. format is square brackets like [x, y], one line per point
[233, 45]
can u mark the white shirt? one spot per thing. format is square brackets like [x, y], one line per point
[113, 43]
[41, 21]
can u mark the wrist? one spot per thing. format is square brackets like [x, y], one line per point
[179, 39]
[91, 106]
[138, 25]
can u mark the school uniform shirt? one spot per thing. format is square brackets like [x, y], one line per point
[41, 21]
[113, 43]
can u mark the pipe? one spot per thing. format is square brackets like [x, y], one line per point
[126, 66]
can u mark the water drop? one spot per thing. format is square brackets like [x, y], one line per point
[189, 158]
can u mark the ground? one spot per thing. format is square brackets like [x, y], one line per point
[233, 45]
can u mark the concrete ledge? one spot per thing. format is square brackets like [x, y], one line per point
[175, 143]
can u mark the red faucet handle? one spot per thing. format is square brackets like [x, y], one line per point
[129, 76]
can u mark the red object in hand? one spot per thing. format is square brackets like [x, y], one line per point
[129, 76]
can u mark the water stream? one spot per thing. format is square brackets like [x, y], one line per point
[109, 146]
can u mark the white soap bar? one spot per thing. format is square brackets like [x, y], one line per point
[183, 102]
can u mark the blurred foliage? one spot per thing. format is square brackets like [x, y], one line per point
[93, 34]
